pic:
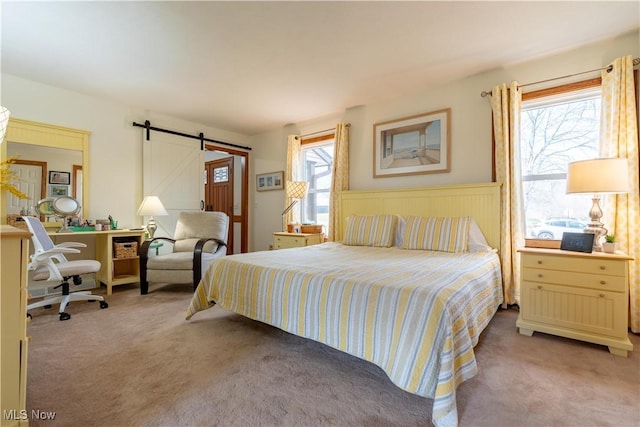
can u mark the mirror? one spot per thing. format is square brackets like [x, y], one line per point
[64, 207]
[50, 138]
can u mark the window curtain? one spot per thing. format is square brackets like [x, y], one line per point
[506, 105]
[619, 138]
[292, 174]
[339, 178]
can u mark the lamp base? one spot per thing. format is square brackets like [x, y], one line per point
[595, 226]
[151, 227]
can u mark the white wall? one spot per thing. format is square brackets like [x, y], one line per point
[471, 137]
[116, 148]
[115, 145]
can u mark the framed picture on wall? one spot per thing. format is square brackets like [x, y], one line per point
[58, 190]
[56, 177]
[413, 145]
[270, 181]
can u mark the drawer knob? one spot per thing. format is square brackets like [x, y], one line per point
[539, 262]
[539, 276]
[539, 287]
[601, 295]
[602, 282]
[602, 267]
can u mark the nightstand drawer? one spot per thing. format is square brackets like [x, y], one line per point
[570, 278]
[289, 242]
[581, 265]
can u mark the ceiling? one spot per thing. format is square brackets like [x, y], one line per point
[251, 67]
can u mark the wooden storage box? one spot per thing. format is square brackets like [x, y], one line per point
[16, 221]
[312, 229]
[125, 249]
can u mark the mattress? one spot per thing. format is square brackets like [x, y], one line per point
[415, 314]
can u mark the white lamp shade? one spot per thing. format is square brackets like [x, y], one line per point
[297, 189]
[4, 121]
[151, 206]
[598, 176]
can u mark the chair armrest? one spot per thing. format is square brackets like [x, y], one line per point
[41, 256]
[197, 257]
[144, 258]
[144, 249]
[70, 245]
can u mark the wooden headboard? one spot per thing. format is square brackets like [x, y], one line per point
[480, 201]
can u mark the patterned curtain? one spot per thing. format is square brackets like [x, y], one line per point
[619, 138]
[506, 106]
[292, 174]
[339, 178]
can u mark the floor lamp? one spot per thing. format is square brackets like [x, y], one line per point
[597, 176]
[296, 190]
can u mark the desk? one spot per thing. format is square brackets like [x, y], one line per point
[113, 271]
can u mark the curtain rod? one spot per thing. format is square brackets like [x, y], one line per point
[636, 61]
[321, 131]
[148, 127]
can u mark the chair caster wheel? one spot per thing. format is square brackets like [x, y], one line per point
[29, 316]
[65, 316]
[103, 304]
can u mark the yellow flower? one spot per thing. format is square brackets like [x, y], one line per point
[9, 177]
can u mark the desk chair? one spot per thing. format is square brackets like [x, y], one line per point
[199, 238]
[48, 263]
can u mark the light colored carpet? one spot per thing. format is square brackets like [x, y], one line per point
[139, 363]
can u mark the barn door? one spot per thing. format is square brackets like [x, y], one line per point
[173, 169]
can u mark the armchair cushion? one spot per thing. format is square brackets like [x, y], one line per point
[192, 227]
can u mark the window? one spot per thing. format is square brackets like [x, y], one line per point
[317, 160]
[555, 130]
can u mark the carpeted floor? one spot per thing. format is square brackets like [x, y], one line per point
[139, 363]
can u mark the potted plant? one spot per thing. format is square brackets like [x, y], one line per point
[610, 245]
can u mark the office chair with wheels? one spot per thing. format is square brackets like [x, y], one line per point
[48, 263]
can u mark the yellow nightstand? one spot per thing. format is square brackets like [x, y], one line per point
[282, 240]
[576, 295]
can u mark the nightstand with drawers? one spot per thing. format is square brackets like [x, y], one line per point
[576, 295]
[282, 240]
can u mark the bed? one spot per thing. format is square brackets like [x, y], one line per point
[409, 287]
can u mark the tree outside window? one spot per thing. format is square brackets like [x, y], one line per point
[555, 131]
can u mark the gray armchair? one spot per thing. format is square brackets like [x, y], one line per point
[199, 238]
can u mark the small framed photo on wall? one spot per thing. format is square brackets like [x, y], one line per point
[58, 190]
[270, 181]
[62, 178]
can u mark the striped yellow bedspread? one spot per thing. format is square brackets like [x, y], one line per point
[415, 314]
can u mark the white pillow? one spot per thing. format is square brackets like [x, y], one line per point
[477, 242]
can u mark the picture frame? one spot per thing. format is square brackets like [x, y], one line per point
[270, 181]
[58, 190]
[57, 177]
[577, 242]
[419, 144]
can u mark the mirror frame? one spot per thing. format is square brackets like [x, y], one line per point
[46, 135]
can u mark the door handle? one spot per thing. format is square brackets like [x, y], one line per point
[201, 205]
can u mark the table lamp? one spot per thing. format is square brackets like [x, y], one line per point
[296, 190]
[597, 176]
[150, 206]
